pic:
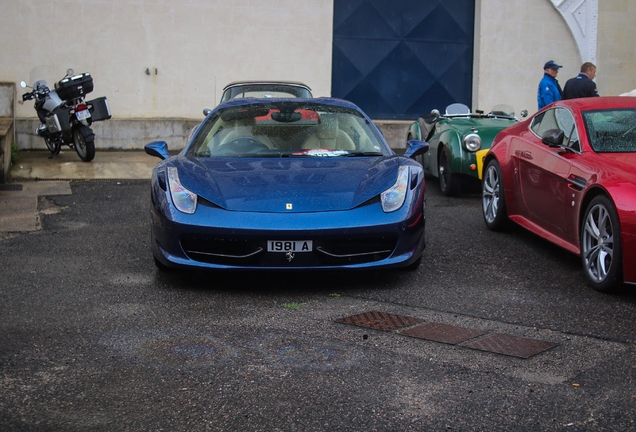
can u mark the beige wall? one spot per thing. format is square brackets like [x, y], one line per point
[616, 47]
[197, 46]
[513, 40]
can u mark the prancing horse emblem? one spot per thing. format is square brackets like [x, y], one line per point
[290, 256]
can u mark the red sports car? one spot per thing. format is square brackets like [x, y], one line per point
[568, 174]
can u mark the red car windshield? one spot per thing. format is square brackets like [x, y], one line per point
[611, 131]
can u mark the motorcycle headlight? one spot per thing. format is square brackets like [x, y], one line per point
[393, 198]
[472, 142]
[184, 200]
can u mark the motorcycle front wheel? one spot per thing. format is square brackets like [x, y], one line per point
[54, 146]
[84, 142]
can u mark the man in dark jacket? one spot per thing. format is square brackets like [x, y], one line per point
[582, 85]
[549, 89]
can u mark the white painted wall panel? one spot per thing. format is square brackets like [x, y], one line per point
[196, 46]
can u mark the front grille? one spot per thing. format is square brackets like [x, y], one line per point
[253, 252]
[356, 251]
[220, 251]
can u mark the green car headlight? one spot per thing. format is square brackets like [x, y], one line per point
[472, 142]
[184, 200]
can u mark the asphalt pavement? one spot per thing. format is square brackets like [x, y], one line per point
[38, 173]
[94, 337]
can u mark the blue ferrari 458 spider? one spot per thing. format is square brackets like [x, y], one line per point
[287, 184]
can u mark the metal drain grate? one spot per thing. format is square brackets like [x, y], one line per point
[10, 187]
[437, 332]
[510, 345]
[380, 320]
[442, 333]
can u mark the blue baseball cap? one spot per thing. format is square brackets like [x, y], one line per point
[551, 65]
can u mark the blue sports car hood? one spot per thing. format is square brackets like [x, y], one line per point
[285, 185]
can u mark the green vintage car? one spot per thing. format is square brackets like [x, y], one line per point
[458, 141]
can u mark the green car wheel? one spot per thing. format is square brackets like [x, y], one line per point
[449, 182]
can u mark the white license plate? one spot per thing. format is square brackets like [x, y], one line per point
[83, 115]
[289, 246]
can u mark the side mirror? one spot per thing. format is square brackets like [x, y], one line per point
[435, 112]
[23, 84]
[553, 137]
[158, 149]
[523, 113]
[207, 111]
[415, 148]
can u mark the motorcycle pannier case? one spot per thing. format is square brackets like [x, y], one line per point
[100, 110]
[75, 86]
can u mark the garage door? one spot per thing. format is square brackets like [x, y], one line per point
[398, 59]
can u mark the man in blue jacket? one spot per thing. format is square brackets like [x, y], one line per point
[582, 85]
[549, 88]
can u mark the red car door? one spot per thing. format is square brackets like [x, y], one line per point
[543, 172]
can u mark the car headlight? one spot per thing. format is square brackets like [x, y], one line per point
[472, 142]
[393, 198]
[184, 200]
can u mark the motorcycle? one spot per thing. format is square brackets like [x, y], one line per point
[66, 117]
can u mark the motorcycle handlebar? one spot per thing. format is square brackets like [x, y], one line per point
[37, 91]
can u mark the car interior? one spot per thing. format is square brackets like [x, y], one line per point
[328, 135]
[611, 131]
[270, 131]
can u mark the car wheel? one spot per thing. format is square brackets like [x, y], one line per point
[493, 199]
[448, 181]
[601, 249]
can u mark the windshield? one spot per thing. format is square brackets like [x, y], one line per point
[284, 129]
[611, 131]
[498, 111]
[457, 109]
[502, 110]
[41, 73]
[265, 91]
